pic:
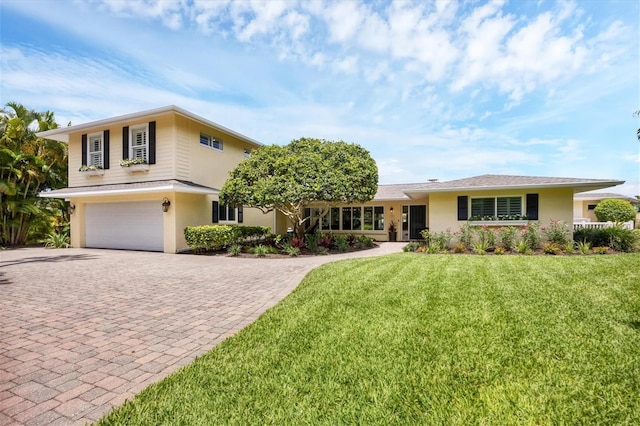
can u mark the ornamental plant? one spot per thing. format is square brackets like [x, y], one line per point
[93, 167]
[557, 232]
[507, 237]
[127, 162]
[530, 234]
[614, 210]
[465, 235]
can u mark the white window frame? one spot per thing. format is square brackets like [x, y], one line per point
[247, 153]
[134, 148]
[212, 141]
[495, 205]
[95, 154]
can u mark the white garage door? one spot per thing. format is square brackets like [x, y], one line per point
[131, 226]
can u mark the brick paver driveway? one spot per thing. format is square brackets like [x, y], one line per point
[82, 330]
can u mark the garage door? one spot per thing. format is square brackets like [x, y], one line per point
[131, 226]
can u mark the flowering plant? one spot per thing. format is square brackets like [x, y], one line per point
[92, 167]
[132, 161]
[392, 227]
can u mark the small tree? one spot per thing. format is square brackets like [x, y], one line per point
[614, 210]
[289, 178]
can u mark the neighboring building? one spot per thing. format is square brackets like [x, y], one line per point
[185, 159]
[585, 203]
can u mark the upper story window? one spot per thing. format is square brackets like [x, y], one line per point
[210, 141]
[591, 206]
[95, 151]
[247, 153]
[139, 146]
[496, 207]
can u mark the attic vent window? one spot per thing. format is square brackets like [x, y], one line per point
[210, 141]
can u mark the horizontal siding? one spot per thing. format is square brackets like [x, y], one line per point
[165, 156]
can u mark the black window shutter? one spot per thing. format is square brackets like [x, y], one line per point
[214, 212]
[125, 143]
[240, 214]
[84, 151]
[532, 206]
[463, 207]
[105, 153]
[152, 142]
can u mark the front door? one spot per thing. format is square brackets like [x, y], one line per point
[417, 221]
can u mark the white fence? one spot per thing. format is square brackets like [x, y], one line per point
[593, 225]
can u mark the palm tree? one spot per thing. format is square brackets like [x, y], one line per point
[29, 165]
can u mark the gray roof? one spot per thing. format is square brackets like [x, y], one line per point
[61, 134]
[484, 182]
[172, 185]
[603, 196]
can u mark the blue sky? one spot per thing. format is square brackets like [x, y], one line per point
[441, 90]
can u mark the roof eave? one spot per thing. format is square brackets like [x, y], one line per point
[111, 192]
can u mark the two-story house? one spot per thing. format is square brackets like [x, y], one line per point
[136, 181]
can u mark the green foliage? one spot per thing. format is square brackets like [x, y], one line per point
[56, 240]
[500, 250]
[216, 237]
[480, 247]
[584, 247]
[291, 250]
[507, 237]
[411, 247]
[551, 248]
[557, 232]
[465, 235]
[530, 234]
[621, 239]
[486, 236]
[595, 236]
[362, 241]
[262, 250]
[570, 247]
[600, 250]
[234, 249]
[288, 178]
[522, 247]
[28, 166]
[459, 248]
[614, 210]
[341, 242]
[441, 239]
[311, 241]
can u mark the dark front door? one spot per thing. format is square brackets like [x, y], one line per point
[417, 221]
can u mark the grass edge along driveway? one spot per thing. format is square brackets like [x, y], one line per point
[415, 339]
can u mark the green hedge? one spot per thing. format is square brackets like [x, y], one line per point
[216, 237]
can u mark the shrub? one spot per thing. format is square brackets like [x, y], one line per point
[216, 237]
[364, 242]
[500, 250]
[435, 247]
[411, 247]
[614, 210]
[480, 247]
[262, 250]
[297, 242]
[442, 239]
[465, 235]
[459, 248]
[594, 236]
[530, 234]
[234, 249]
[325, 241]
[523, 247]
[56, 240]
[600, 250]
[487, 236]
[351, 240]
[621, 239]
[557, 232]
[507, 237]
[291, 250]
[311, 241]
[209, 237]
[341, 243]
[570, 247]
[584, 247]
[551, 248]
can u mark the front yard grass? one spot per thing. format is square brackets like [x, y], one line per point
[411, 339]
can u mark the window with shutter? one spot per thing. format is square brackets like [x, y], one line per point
[138, 143]
[496, 207]
[94, 150]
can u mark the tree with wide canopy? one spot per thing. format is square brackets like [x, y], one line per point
[304, 172]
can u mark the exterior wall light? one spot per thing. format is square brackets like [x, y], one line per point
[71, 209]
[391, 210]
[165, 204]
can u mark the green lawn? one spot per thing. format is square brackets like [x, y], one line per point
[425, 339]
